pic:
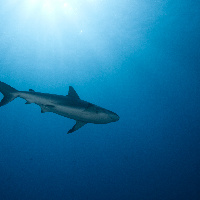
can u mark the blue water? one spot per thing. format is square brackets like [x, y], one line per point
[138, 58]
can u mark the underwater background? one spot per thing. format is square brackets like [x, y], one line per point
[138, 58]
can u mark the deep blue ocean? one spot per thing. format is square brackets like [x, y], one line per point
[137, 58]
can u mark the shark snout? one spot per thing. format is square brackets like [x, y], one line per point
[114, 117]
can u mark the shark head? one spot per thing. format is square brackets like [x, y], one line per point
[113, 116]
[108, 115]
[99, 115]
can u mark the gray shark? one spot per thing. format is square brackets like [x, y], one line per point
[70, 106]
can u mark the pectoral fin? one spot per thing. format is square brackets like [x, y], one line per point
[78, 125]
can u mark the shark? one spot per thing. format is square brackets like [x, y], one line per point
[70, 106]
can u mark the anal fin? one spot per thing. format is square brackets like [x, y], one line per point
[78, 125]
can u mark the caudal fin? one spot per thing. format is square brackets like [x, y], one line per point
[9, 93]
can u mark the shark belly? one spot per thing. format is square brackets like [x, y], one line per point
[34, 98]
[78, 114]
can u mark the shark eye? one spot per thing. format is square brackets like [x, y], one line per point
[89, 105]
[93, 108]
[97, 111]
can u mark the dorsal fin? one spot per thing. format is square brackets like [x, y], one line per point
[31, 90]
[72, 93]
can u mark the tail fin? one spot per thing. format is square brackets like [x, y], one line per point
[9, 93]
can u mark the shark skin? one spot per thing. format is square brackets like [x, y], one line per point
[70, 106]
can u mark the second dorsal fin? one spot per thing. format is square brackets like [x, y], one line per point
[72, 93]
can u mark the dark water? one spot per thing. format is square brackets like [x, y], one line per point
[139, 59]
